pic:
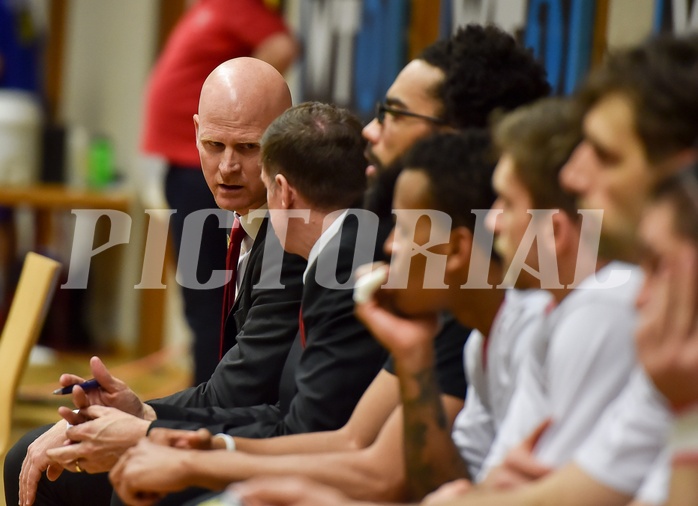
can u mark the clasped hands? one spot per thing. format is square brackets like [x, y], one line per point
[110, 419]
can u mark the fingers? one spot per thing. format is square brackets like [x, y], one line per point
[36, 462]
[366, 312]
[138, 498]
[65, 456]
[95, 411]
[680, 295]
[70, 416]
[363, 270]
[288, 491]
[164, 437]
[526, 465]
[100, 372]
[521, 460]
[185, 439]
[28, 480]
[116, 473]
[134, 497]
[532, 440]
[123, 485]
[447, 491]
[377, 318]
[198, 440]
[70, 379]
[505, 479]
[80, 399]
[689, 280]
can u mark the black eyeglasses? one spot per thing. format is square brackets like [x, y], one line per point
[382, 108]
[688, 178]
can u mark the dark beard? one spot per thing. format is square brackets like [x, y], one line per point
[379, 200]
[379, 196]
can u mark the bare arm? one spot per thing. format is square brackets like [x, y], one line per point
[370, 414]
[290, 491]
[431, 456]
[278, 50]
[375, 473]
[569, 486]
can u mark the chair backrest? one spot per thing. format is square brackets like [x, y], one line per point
[24, 321]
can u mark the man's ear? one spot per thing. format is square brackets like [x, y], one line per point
[564, 232]
[458, 255]
[196, 127]
[286, 191]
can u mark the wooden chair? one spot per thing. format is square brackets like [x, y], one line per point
[24, 321]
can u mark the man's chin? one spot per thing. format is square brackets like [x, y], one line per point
[409, 306]
[614, 246]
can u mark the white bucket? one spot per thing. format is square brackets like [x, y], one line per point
[20, 137]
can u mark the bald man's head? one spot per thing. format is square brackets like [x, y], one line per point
[239, 100]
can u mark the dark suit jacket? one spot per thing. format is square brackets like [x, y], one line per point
[323, 381]
[259, 332]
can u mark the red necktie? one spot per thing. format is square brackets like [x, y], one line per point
[237, 234]
[301, 327]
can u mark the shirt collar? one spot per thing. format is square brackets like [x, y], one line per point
[252, 222]
[324, 240]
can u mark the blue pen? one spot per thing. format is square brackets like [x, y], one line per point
[90, 384]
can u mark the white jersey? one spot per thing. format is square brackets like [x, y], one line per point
[578, 365]
[625, 450]
[655, 489]
[491, 366]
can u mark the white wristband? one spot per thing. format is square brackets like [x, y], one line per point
[684, 431]
[229, 441]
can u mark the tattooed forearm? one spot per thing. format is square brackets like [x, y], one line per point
[431, 457]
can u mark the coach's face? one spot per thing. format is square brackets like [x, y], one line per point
[228, 141]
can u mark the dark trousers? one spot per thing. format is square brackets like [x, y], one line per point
[186, 191]
[71, 489]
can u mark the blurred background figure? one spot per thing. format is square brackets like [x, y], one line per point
[21, 41]
[209, 33]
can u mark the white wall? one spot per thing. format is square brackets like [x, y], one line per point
[110, 45]
[109, 50]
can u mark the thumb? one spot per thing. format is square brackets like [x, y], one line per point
[96, 411]
[532, 440]
[100, 372]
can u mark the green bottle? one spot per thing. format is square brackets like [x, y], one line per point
[100, 164]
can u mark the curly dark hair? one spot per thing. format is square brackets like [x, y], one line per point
[459, 167]
[660, 78]
[485, 70]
